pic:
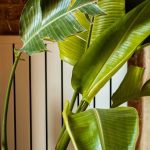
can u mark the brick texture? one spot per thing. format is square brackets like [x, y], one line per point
[10, 11]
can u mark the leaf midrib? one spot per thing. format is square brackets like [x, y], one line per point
[116, 66]
[101, 132]
[71, 10]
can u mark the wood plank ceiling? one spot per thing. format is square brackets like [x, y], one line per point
[10, 11]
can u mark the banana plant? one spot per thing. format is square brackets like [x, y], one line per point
[97, 38]
[102, 59]
[108, 52]
[114, 10]
[40, 20]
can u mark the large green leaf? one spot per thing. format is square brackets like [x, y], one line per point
[114, 10]
[73, 47]
[110, 51]
[130, 87]
[111, 129]
[130, 4]
[51, 19]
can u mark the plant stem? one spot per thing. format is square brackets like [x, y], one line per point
[80, 106]
[6, 103]
[71, 108]
[84, 106]
[73, 100]
[65, 139]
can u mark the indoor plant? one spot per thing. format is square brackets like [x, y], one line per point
[102, 56]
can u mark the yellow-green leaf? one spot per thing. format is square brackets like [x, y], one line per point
[130, 88]
[109, 129]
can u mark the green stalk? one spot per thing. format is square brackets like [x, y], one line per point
[71, 108]
[65, 138]
[73, 100]
[6, 103]
[80, 106]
